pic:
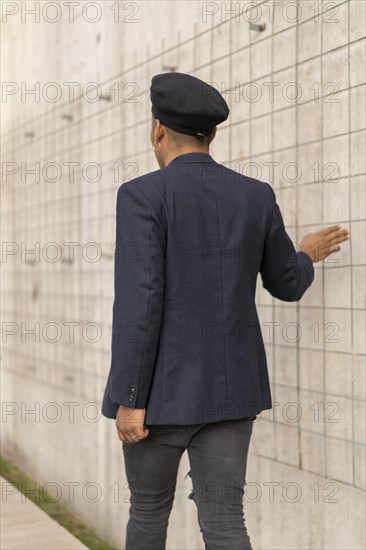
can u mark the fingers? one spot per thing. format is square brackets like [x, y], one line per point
[339, 236]
[127, 438]
[328, 230]
[327, 250]
[137, 435]
[132, 436]
[333, 231]
[121, 435]
[332, 248]
[337, 241]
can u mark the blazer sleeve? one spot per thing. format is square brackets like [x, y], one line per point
[139, 268]
[285, 273]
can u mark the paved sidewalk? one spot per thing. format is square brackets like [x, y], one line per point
[24, 526]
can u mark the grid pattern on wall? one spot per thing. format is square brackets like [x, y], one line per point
[296, 92]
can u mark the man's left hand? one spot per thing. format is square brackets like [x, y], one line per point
[130, 424]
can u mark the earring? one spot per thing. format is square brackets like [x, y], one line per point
[154, 145]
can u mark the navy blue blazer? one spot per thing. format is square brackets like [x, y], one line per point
[191, 239]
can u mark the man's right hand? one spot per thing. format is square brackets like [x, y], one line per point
[321, 244]
[130, 424]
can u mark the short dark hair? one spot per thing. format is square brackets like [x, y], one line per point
[181, 140]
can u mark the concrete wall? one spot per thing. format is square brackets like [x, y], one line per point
[296, 91]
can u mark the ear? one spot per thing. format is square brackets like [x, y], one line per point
[159, 130]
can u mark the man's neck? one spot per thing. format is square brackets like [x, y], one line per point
[183, 151]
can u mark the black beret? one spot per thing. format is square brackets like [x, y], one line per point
[186, 104]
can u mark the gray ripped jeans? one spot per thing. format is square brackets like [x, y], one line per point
[218, 459]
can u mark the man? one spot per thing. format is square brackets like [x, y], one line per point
[188, 367]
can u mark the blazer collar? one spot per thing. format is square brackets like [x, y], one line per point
[191, 157]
